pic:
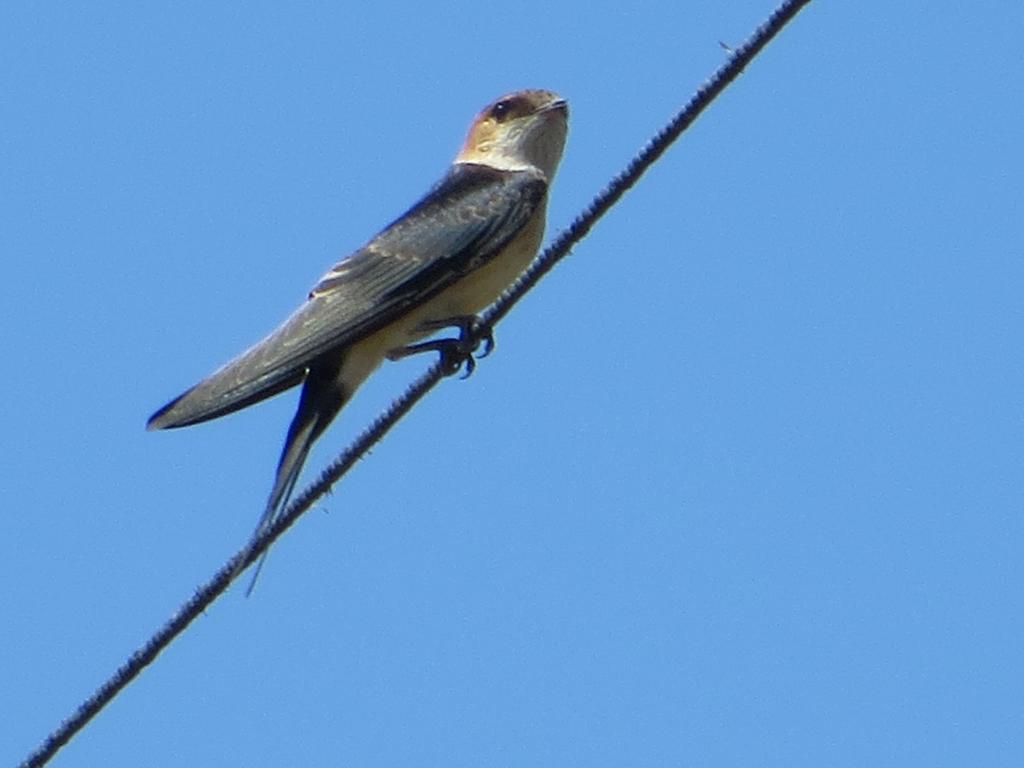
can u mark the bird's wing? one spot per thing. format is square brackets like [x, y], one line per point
[458, 226]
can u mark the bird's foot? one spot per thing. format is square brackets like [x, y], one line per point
[454, 353]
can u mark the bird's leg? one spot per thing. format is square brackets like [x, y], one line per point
[472, 332]
[454, 352]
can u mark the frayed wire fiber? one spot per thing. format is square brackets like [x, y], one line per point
[555, 252]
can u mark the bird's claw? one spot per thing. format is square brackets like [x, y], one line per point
[458, 352]
[484, 334]
[454, 356]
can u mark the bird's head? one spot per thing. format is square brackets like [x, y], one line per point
[520, 131]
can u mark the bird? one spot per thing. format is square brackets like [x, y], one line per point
[437, 266]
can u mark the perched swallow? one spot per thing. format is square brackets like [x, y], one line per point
[447, 258]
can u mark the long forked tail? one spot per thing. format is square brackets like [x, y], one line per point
[323, 395]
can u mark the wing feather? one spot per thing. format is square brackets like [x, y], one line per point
[457, 227]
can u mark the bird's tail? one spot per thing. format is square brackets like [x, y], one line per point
[323, 395]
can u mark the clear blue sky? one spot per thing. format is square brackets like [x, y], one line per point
[741, 485]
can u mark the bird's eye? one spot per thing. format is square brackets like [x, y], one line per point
[502, 111]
